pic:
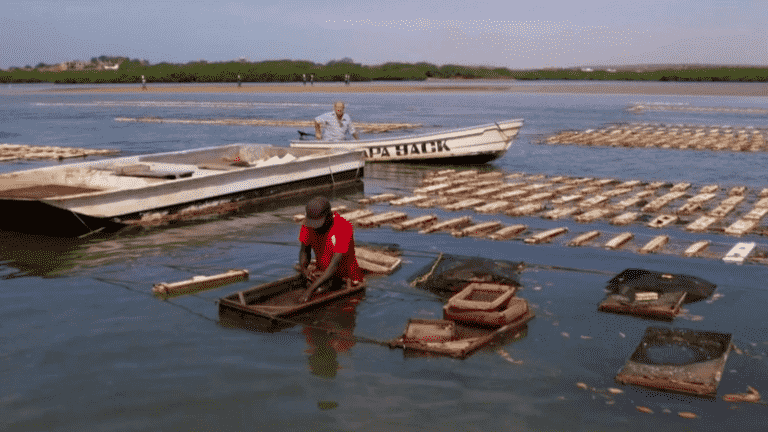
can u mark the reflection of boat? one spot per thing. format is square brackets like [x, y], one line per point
[477, 144]
[80, 198]
[275, 305]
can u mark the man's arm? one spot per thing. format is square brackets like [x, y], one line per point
[304, 258]
[329, 272]
[318, 131]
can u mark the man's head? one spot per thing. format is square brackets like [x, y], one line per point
[319, 215]
[338, 108]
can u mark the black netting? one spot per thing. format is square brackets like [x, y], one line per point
[663, 346]
[631, 281]
[451, 273]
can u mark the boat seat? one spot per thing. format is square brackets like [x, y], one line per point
[141, 170]
[225, 165]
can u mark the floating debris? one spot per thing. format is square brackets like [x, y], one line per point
[582, 385]
[687, 414]
[655, 244]
[613, 390]
[10, 152]
[361, 127]
[380, 219]
[643, 409]
[478, 229]
[751, 395]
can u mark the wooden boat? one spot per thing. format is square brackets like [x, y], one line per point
[108, 194]
[471, 145]
[277, 301]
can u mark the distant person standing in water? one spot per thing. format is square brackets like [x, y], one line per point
[334, 125]
[346, 79]
[304, 78]
[143, 83]
[312, 79]
[239, 81]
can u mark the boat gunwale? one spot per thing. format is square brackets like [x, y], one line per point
[414, 137]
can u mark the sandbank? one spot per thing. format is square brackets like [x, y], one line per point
[577, 87]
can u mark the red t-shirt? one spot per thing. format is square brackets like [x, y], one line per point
[338, 239]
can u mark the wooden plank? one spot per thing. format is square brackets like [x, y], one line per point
[726, 206]
[701, 223]
[377, 198]
[449, 224]
[741, 227]
[593, 215]
[756, 213]
[616, 192]
[419, 222]
[739, 252]
[524, 210]
[696, 248]
[680, 187]
[537, 197]
[457, 191]
[199, 283]
[566, 199]
[431, 189]
[380, 219]
[655, 244]
[337, 209]
[560, 212]
[356, 214]
[507, 232]
[464, 204]
[663, 200]
[546, 235]
[478, 229]
[709, 189]
[625, 218]
[594, 201]
[661, 221]
[409, 200]
[619, 240]
[378, 257]
[493, 207]
[588, 236]
[511, 195]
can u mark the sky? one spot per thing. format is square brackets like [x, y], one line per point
[493, 33]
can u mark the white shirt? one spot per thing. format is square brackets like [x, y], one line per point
[333, 129]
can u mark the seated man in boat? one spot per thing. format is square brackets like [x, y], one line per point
[332, 239]
[334, 125]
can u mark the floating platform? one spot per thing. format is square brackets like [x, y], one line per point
[739, 252]
[678, 360]
[9, 152]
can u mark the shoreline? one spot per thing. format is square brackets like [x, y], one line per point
[577, 87]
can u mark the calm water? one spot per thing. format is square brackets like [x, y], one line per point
[85, 346]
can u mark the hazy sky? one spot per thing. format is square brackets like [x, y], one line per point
[514, 34]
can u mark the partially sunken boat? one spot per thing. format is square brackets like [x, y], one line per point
[470, 145]
[106, 195]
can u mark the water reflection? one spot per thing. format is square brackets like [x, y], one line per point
[328, 330]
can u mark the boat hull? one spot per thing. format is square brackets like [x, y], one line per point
[98, 200]
[473, 145]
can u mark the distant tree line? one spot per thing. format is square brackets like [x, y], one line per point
[130, 71]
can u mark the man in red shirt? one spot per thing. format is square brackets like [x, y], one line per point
[332, 239]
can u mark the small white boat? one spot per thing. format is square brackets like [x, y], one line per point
[80, 198]
[471, 145]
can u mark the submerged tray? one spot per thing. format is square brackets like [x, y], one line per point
[680, 360]
[466, 339]
[280, 298]
[666, 306]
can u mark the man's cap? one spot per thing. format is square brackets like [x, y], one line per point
[317, 210]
